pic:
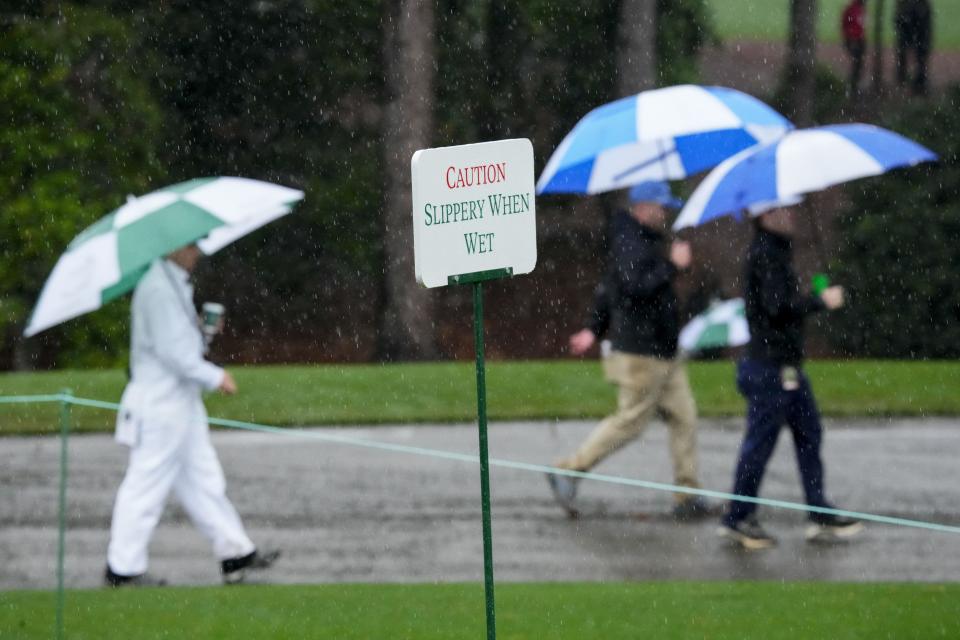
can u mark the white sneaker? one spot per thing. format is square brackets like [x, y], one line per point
[831, 528]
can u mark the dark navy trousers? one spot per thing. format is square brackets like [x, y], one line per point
[769, 407]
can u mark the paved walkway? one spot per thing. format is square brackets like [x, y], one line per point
[348, 514]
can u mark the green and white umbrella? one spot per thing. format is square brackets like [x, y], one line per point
[723, 324]
[108, 258]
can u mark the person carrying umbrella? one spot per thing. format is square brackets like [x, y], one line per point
[777, 391]
[153, 243]
[765, 181]
[637, 306]
[163, 421]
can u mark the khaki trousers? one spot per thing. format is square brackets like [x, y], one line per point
[648, 387]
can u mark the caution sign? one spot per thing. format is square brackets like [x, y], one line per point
[474, 210]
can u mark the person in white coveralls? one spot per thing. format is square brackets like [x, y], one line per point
[164, 422]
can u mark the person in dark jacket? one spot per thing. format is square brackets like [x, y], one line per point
[913, 21]
[777, 391]
[636, 306]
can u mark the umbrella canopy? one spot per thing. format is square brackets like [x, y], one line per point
[663, 134]
[801, 162]
[723, 324]
[108, 258]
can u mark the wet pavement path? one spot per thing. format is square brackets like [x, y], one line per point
[343, 513]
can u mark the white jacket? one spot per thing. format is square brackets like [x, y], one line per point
[168, 373]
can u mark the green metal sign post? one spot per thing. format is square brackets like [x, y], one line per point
[474, 219]
[477, 280]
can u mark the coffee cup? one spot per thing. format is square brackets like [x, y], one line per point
[212, 319]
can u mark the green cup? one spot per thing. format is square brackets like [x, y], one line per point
[819, 283]
[212, 314]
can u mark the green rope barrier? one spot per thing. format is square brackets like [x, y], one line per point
[31, 399]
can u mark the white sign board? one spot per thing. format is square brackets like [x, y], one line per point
[473, 210]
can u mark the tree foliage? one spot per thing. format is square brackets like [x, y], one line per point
[286, 91]
[900, 247]
[534, 67]
[685, 28]
[79, 132]
[124, 96]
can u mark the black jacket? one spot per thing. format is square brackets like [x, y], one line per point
[635, 304]
[913, 21]
[775, 307]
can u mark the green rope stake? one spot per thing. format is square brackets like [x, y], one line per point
[484, 460]
[66, 398]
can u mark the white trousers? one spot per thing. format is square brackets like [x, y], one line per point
[174, 455]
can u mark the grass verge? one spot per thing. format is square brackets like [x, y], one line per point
[445, 392]
[716, 610]
[766, 20]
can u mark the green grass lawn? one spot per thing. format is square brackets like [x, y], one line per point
[714, 610]
[445, 392]
[768, 20]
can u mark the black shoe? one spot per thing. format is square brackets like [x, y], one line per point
[112, 579]
[234, 570]
[831, 528]
[564, 492]
[748, 534]
[694, 508]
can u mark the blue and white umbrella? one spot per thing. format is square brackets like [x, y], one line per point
[663, 134]
[801, 162]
